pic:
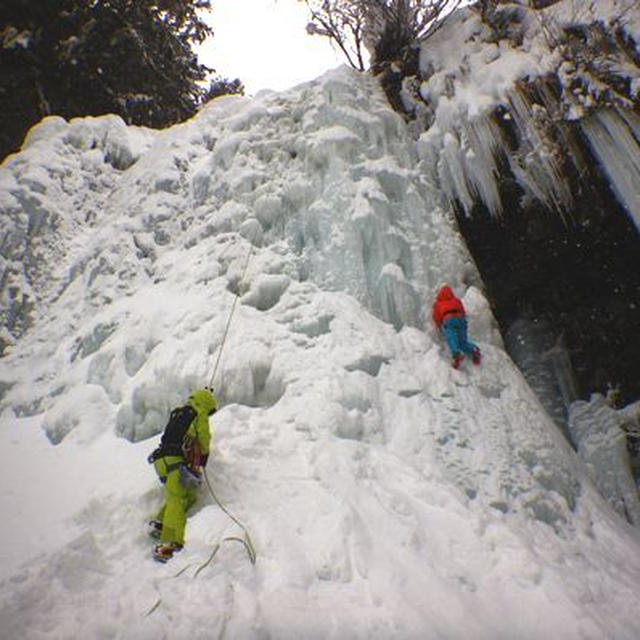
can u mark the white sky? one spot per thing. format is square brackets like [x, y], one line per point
[264, 43]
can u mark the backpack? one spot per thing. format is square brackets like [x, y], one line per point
[174, 441]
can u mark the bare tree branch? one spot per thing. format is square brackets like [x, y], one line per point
[342, 22]
[385, 28]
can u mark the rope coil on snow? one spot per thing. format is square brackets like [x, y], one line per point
[246, 541]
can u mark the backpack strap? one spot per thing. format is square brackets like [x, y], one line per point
[175, 431]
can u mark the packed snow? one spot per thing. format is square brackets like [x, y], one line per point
[387, 494]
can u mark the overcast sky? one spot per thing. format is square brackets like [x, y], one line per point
[264, 43]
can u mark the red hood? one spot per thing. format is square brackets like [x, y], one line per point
[445, 293]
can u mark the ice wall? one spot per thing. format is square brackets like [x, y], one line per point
[368, 470]
[347, 244]
[334, 180]
[320, 180]
[597, 430]
[614, 136]
[490, 101]
[545, 364]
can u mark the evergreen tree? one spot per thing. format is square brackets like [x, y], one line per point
[90, 57]
[222, 87]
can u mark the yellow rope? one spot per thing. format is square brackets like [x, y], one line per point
[233, 308]
[246, 541]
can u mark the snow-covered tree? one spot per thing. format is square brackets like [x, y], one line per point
[78, 57]
[220, 86]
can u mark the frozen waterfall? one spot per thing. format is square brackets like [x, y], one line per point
[388, 495]
[614, 136]
[598, 431]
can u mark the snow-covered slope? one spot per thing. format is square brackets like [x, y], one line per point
[387, 495]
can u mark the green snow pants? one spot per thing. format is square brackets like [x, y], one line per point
[177, 499]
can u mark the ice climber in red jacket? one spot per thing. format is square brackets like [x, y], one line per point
[450, 318]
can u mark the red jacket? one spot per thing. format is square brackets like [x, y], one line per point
[446, 306]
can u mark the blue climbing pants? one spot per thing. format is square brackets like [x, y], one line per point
[455, 332]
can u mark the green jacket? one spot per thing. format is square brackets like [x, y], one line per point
[204, 403]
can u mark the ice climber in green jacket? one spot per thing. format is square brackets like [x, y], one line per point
[178, 461]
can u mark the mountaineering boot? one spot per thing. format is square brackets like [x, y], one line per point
[155, 529]
[476, 356]
[164, 551]
[457, 359]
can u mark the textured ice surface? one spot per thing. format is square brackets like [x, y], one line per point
[614, 136]
[488, 102]
[602, 444]
[388, 495]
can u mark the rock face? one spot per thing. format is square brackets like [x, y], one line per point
[529, 122]
[578, 278]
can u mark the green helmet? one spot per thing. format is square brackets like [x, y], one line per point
[203, 400]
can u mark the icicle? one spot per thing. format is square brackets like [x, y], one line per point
[614, 137]
[469, 151]
[536, 164]
[485, 145]
[467, 169]
[563, 370]
[452, 172]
